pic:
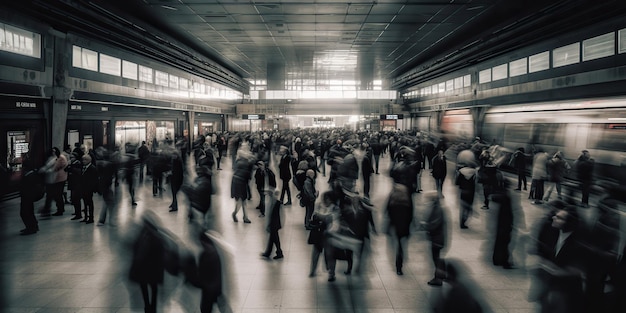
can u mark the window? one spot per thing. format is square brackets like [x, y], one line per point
[84, 58]
[20, 41]
[145, 74]
[183, 84]
[467, 80]
[110, 65]
[518, 67]
[599, 47]
[499, 72]
[539, 62]
[458, 82]
[449, 85]
[484, 76]
[173, 82]
[129, 70]
[566, 55]
[161, 78]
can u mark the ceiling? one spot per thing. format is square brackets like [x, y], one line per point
[361, 40]
[325, 38]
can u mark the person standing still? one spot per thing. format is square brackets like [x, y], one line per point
[584, 169]
[144, 155]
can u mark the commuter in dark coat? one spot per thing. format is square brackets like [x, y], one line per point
[466, 180]
[222, 149]
[210, 276]
[31, 190]
[284, 168]
[273, 225]
[504, 227]
[265, 183]
[436, 227]
[400, 204]
[107, 171]
[309, 194]
[148, 265]
[439, 171]
[584, 169]
[429, 153]
[89, 183]
[562, 258]
[74, 171]
[144, 154]
[518, 161]
[377, 150]
[176, 179]
[366, 170]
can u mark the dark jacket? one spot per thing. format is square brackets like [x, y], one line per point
[308, 191]
[439, 167]
[148, 265]
[284, 167]
[260, 176]
[200, 193]
[89, 180]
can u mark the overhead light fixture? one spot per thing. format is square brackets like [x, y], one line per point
[169, 7]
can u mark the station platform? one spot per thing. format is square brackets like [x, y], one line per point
[70, 266]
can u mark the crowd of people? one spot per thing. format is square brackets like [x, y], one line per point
[574, 259]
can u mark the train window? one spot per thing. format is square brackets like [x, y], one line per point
[519, 133]
[608, 137]
[549, 134]
[539, 62]
[566, 55]
[599, 47]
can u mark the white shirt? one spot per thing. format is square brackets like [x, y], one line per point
[562, 237]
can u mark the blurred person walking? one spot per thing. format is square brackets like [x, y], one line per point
[265, 184]
[55, 182]
[144, 154]
[436, 227]
[399, 210]
[32, 188]
[518, 162]
[273, 225]
[557, 168]
[439, 171]
[176, 178]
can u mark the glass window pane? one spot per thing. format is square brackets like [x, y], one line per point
[161, 78]
[517, 67]
[467, 80]
[89, 60]
[566, 55]
[484, 76]
[76, 56]
[599, 47]
[449, 85]
[173, 82]
[129, 70]
[145, 74]
[499, 72]
[458, 82]
[539, 62]
[110, 65]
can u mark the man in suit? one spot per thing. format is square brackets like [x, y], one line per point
[284, 168]
[89, 185]
[562, 261]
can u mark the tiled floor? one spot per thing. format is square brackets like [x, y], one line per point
[72, 267]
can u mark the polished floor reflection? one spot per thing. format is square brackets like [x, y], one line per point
[69, 266]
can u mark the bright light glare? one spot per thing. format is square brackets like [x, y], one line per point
[353, 119]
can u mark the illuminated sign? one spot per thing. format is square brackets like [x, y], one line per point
[253, 116]
[391, 116]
